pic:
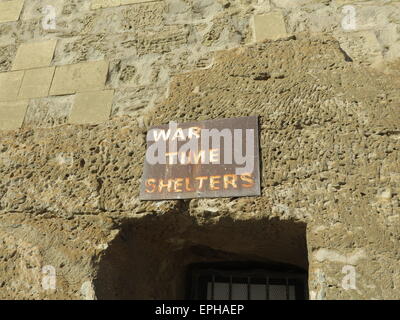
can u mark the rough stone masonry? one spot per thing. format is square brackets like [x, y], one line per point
[80, 83]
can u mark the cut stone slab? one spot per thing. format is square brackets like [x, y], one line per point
[34, 55]
[12, 114]
[98, 4]
[361, 45]
[40, 9]
[36, 83]
[270, 26]
[81, 77]
[10, 10]
[10, 83]
[126, 2]
[91, 107]
[49, 111]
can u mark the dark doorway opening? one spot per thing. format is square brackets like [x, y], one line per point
[151, 256]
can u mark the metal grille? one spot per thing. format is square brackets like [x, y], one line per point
[247, 284]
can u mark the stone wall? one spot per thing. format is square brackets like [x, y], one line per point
[328, 103]
[56, 55]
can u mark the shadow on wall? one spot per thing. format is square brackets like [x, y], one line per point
[151, 256]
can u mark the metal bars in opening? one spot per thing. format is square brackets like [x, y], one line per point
[214, 284]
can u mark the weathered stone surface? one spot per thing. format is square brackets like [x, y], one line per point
[91, 107]
[7, 54]
[10, 10]
[34, 55]
[163, 38]
[22, 240]
[329, 133]
[80, 77]
[12, 114]
[36, 83]
[330, 152]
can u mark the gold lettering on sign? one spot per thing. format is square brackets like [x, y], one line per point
[200, 183]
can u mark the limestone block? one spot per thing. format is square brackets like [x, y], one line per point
[10, 10]
[270, 26]
[343, 2]
[49, 111]
[40, 8]
[97, 4]
[87, 76]
[10, 82]
[125, 2]
[36, 83]
[91, 107]
[294, 3]
[12, 114]
[361, 45]
[34, 55]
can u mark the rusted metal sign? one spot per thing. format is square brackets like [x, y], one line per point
[206, 159]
